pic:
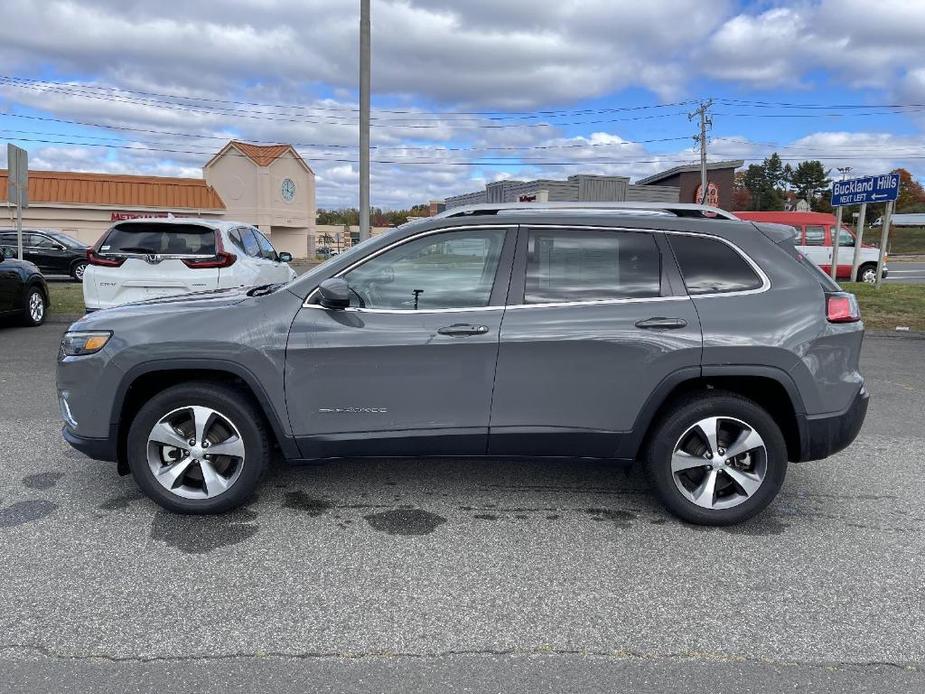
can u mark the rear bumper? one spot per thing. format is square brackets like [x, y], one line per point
[98, 449]
[825, 435]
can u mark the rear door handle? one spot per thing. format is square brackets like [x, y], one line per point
[463, 329]
[660, 323]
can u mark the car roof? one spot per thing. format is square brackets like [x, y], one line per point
[222, 224]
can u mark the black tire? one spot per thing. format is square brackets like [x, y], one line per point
[233, 405]
[32, 318]
[77, 270]
[686, 413]
[865, 269]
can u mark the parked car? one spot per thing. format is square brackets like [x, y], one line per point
[23, 292]
[709, 349]
[816, 231]
[53, 252]
[149, 258]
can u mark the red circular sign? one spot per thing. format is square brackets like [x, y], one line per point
[712, 195]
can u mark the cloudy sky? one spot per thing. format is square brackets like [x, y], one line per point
[463, 92]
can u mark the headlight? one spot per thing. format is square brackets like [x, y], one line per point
[78, 344]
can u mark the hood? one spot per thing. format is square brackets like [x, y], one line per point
[187, 303]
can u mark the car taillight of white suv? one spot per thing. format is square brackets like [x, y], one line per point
[153, 258]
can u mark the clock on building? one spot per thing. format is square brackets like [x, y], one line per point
[288, 189]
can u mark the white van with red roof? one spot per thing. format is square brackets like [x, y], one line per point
[816, 231]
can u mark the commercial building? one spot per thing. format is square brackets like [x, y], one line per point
[269, 186]
[687, 179]
[673, 185]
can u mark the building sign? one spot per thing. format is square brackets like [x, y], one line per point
[123, 216]
[712, 194]
[527, 198]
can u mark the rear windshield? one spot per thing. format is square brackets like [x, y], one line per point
[162, 239]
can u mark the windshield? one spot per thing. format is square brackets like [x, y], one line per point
[161, 239]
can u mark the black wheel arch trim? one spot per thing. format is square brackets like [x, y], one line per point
[631, 446]
[287, 443]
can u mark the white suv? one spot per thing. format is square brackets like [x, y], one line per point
[151, 258]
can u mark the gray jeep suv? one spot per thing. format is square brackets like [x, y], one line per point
[709, 349]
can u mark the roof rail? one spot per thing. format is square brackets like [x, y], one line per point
[678, 209]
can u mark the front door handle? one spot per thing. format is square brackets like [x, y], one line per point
[463, 329]
[660, 323]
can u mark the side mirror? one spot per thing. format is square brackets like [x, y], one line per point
[7, 252]
[335, 293]
[284, 257]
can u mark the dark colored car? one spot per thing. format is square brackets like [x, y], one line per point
[710, 349]
[52, 252]
[23, 292]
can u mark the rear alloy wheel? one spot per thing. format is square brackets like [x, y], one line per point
[198, 448]
[867, 273]
[36, 307]
[77, 272]
[717, 460]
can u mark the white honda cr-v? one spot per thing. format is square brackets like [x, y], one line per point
[151, 258]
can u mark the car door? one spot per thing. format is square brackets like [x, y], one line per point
[11, 281]
[816, 246]
[408, 368]
[271, 268]
[597, 318]
[246, 273]
[44, 252]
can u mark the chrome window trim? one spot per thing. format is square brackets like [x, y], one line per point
[765, 280]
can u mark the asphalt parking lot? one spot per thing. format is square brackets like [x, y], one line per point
[386, 575]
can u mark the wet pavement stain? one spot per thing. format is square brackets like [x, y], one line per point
[301, 501]
[621, 519]
[118, 503]
[202, 534]
[485, 516]
[405, 522]
[552, 516]
[25, 512]
[42, 480]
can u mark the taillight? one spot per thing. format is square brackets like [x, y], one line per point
[842, 307]
[222, 257]
[95, 258]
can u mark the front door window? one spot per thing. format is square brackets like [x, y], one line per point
[448, 270]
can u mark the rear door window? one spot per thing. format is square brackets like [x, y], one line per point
[565, 265]
[160, 239]
[710, 266]
[266, 248]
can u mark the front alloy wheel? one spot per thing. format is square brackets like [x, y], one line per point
[199, 447]
[195, 452]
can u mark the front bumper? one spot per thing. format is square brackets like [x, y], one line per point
[98, 449]
[825, 435]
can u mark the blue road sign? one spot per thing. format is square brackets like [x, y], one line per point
[870, 189]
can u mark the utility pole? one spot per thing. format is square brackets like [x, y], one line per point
[836, 235]
[705, 123]
[364, 118]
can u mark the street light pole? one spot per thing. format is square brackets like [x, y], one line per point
[364, 118]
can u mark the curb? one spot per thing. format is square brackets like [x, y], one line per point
[900, 334]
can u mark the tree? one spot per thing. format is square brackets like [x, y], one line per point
[763, 193]
[911, 194]
[774, 171]
[741, 196]
[810, 180]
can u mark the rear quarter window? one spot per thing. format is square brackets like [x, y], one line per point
[710, 266]
[161, 239]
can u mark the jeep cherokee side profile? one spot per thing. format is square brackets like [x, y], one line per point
[708, 349]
